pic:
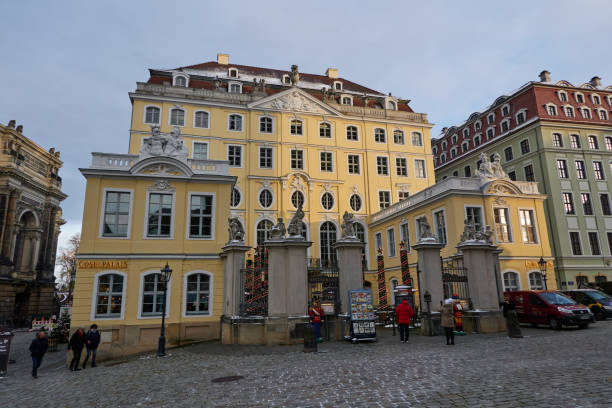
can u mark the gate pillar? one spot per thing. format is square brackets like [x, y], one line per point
[482, 264]
[349, 268]
[233, 262]
[430, 276]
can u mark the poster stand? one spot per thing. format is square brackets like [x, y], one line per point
[362, 316]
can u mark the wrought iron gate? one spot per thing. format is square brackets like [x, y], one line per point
[254, 285]
[323, 284]
[454, 278]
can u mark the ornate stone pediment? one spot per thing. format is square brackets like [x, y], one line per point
[501, 188]
[162, 169]
[294, 100]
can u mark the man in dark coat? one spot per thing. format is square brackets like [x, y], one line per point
[92, 341]
[403, 314]
[76, 343]
[38, 348]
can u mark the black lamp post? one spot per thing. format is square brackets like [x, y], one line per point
[542, 265]
[165, 278]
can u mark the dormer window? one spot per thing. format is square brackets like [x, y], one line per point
[337, 85]
[505, 125]
[477, 140]
[234, 87]
[232, 73]
[596, 100]
[444, 145]
[579, 97]
[490, 133]
[466, 132]
[391, 105]
[435, 150]
[551, 109]
[454, 139]
[477, 125]
[347, 100]
[569, 111]
[562, 96]
[490, 118]
[286, 80]
[464, 147]
[521, 116]
[610, 100]
[586, 113]
[603, 115]
[180, 80]
[453, 152]
[505, 110]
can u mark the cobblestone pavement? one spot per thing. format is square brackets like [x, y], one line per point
[547, 368]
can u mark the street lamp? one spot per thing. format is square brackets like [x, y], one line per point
[542, 265]
[165, 278]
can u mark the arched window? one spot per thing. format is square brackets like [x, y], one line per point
[109, 295]
[352, 133]
[236, 198]
[324, 129]
[152, 115]
[391, 105]
[355, 202]
[511, 281]
[197, 294]
[535, 281]
[263, 231]
[26, 243]
[265, 198]
[177, 117]
[265, 124]
[233, 73]
[328, 234]
[379, 135]
[297, 199]
[201, 119]
[417, 139]
[152, 295]
[180, 81]
[347, 100]
[327, 201]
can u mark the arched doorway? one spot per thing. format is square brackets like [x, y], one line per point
[327, 238]
[26, 244]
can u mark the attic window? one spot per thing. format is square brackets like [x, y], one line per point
[347, 100]
[391, 105]
[286, 79]
[337, 85]
[180, 81]
[233, 73]
[235, 87]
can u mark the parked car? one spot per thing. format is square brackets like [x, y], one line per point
[549, 307]
[598, 302]
[605, 287]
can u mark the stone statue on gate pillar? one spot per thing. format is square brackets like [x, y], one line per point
[295, 225]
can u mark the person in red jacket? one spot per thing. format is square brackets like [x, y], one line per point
[403, 314]
[316, 317]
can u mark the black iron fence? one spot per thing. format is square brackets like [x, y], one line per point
[454, 279]
[323, 284]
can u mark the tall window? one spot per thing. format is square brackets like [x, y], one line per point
[605, 204]
[109, 295]
[520, 117]
[296, 127]
[587, 207]
[575, 242]
[391, 242]
[401, 166]
[524, 146]
[505, 125]
[263, 231]
[327, 201]
[476, 140]
[511, 281]
[569, 111]
[529, 176]
[235, 123]
[198, 294]
[327, 161]
[575, 141]
[557, 140]
[535, 281]
[266, 156]
[234, 155]
[355, 202]
[353, 163]
[562, 96]
[297, 199]
[594, 242]
[200, 151]
[419, 168]
[398, 137]
[201, 120]
[586, 113]
[527, 226]
[297, 159]
[160, 215]
[378, 240]
[352, 133]
[328, 234]
[490, 133]
[265, 198]
[382, 166]
[116, 214]
[152, 115]
[417, 139]
[490, 118]
[598, 170]
[379, 135]
[562, 168]
[610, 240]
[440, 226]
[502, 229]
[177, 117]
[200, 216]
[603, 115]
[552, 110]
[593, 144]
[152, 295]
[464, 147]
[265, 124]
[580, 170]
[325, 130]
[608, 143]
[474, 216]
[384, 199]
[508, 154]
[405, 235]
[568, 203]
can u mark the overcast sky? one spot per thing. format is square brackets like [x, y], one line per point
[67, 66]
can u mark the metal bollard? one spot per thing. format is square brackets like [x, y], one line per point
[310, 342]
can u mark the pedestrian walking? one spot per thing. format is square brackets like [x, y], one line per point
[403, 314]
[509, 311]
[316, 317]
[76, 343]
[92, 340]
[448, 321]
[38, 348]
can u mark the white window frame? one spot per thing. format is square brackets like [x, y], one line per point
[478, 125]
[271, 190]
[229, 72]
[501, 125]
[335, 87]
[391, 250]
[146, 215]
[482, 213]
[194, 119]
[386, 166]
[435, 226]
[424, 169]
[492, 129]
[103, 208]
[548, 105]
[335, 202]
[331, 129]
[259, 124]
[360, 200]
[332, 161]
[303, 168]
[536, 232]
[576, 97]
[405, 165]
[585, 108]
[167, 302]
[378, 239]
[211, 288]
[531, 272]
[509, 225]
[259, 157]
[390, 198]
[602, 112]
[240, 201]
[467, 147]
[193, 143]
[504, 106]
[571, 108]
[348, 164]
[592, 97]
[175, 76]
[286, 80]
[559, 92]
[518, 280]
[94, 297]
[402, 237]
[384, 135]
[346, 96]
[241, 155]
[302, 126]
[346, 133]
[516, 115]
[229, 87]
[403, 141]
[213, 216]
[466, 133]
[170, 115]
[229, 115]
[489, 120]
[412, 134]
[144, 115]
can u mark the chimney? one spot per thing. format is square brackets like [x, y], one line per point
[544, 76]
[332, 73]
[222, 59]
[596, 81]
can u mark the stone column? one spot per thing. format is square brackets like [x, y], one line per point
[9, 228]
[233, 262]
[482, 264]
[349, 268]
[287, 277]
[430, 267]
